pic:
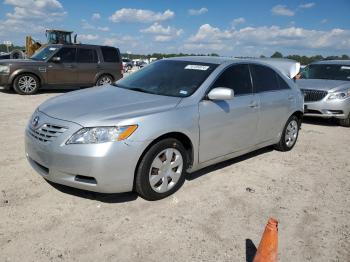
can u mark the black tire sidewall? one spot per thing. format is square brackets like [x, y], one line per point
[282, 141]
[19, 91]
[142, 184]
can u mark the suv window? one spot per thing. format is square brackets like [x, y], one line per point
[264, 78]
[236, 77]
[67, 54]
[87, 55]
[110, 54]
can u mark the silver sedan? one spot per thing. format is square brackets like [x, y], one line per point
[174, 116]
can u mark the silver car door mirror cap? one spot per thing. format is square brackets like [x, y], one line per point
[221, 93]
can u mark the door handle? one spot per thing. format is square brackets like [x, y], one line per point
[290, 97]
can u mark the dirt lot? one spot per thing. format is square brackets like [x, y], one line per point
[215, 216]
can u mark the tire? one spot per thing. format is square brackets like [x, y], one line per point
[289, 135]
[104, 80]
[345, 122]
[156, 176]
[26, 84]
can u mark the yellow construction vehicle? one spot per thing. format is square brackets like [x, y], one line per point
[53, 36]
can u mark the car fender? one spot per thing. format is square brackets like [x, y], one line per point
[27, 70]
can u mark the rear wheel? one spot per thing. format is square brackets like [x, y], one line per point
[345, 122]
[289, 135]
[104, 80]
[26, 84]
[162, 170]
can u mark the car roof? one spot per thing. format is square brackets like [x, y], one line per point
[332, 62]
[80, 45]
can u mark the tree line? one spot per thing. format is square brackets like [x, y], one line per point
[304, 60]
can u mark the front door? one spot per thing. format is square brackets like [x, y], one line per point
[64, 71]
[230, 125]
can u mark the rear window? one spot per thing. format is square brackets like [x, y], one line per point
[168, 78]
[87, 55]
[110, 54]
[264, 79]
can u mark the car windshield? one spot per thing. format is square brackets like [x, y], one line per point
[168, 78]
[326, 71]
[43, 53]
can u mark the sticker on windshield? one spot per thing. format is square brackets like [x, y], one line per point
[197, 67]
[52, 48]
[345, 68]
[183, 92]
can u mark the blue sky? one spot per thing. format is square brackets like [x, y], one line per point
[237, 28]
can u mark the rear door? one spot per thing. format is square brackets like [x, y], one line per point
[229, 125]
[88, 66]
[63, 72]
[276, 99]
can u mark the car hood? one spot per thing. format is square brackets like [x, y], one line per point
[105, 105]
[322, 84]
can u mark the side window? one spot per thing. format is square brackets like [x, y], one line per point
[281, 82]
[264, 78]
[110, 54]
[67, 54]
[236, 77]
[87, 55]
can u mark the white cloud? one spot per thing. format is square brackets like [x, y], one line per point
[162, 34]
[140, 15]
[200, 11]
[86, 25]
[125, 41]
[96, 16]
[323, 21]
[88, 37]
[103, 28]
[30, 16]
[307, 5]
[238, 21]
[213, 38]
[282, 10]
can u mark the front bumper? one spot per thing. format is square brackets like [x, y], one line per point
[105, 168]
[328, 108]
[5, 81]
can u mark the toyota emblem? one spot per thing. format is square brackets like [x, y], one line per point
[35, 121]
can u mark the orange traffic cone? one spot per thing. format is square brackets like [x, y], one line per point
[267, 250]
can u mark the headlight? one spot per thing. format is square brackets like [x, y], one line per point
[96, 135]
[339, 95]
[4, 69]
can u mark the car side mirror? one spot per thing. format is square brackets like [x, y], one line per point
[221, 93]
[56, 59]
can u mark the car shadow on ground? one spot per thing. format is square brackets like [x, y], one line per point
[212, 168]
[250, 250]
[105, 198]
[320, 121]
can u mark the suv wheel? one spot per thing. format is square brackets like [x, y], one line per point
[289, 135]
[26, 84]
[162, 170]
[345, 122]
[104, 80]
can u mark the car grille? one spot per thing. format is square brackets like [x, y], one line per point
[313, 95]
[46, 132]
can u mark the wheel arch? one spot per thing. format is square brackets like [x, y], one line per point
[299, 114]
[22, 72]
[183, 138]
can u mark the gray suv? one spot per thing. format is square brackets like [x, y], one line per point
[62, 66]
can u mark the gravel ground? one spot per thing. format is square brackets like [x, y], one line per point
[218, 215]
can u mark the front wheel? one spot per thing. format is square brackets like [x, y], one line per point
[345, 122]
[289, 135]
[26, 84]
[162, 170]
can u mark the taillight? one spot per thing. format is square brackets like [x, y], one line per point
[121, 68]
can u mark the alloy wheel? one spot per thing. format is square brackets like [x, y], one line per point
[27, 84]
[291, 133]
